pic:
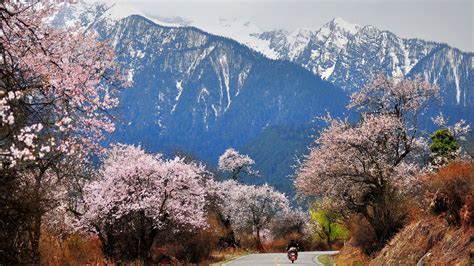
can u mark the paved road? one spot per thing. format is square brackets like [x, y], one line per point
[279, 259]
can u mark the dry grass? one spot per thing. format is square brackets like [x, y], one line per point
[450, 193]
[350, 255]
[73, 250]
[218, 257]
[173, 249]
[436, 237]
[431, 239]
[277, 245]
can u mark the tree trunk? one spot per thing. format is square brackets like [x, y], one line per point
[146, 239]
[229, 239]
[329, 242]
[258, 240]
[36, 238]
[386, 217]
[36, 227]
[148, 260]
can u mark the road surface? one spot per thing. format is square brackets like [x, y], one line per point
[279, 259]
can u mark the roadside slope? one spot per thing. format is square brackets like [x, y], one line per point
[430, 241]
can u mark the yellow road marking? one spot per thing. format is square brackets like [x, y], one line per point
[275, 260]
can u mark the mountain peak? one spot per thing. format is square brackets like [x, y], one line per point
[339, 22]
[86, 12]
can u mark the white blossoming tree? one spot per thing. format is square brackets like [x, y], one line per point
[236, 164]
[222, 202]
[248, 208]
[294, 221]
[255, 208]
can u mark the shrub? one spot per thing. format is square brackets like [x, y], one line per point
[186, 245]
[74, 249]
[363, 234]
[443, 148]
[450, 191]
[329, 223]
[194, 247]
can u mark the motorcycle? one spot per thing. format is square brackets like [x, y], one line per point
[292, 254]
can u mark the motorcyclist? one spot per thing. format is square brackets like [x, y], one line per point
[292, 247]
[291, 244]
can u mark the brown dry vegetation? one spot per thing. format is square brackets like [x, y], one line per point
[187, 247]
[350, 255]
[450, 193]
[72, 250]
[431, 239]
[439, 230]
[183, 250]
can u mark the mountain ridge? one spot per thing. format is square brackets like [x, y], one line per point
[332, 51]
[202, 93]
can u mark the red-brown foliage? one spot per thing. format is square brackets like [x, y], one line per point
[362, 234]
[75, 249]
[466, 212]
[450, 192]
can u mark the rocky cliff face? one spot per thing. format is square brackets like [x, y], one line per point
[210, 89]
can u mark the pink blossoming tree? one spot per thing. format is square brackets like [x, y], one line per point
[248, 208]
[364, 167]
[56, 87]
[137, 195]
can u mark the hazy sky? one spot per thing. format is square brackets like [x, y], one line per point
[450, 21]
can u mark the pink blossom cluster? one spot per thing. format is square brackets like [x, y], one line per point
[398, 96]
[383, 149]
[131, 180]
[60, 85]
[250, 206]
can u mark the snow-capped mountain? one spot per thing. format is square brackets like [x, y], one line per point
[315, 50]
[202, 93]
[240, 30]
[349, 55]
[346, 54]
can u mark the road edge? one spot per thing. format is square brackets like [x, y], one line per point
[233, 260]
[316, 261]
[331, 253]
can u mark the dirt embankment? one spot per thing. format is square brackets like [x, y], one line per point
[428, 241]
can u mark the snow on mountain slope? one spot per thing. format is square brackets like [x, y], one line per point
[85, 13]
[202, 93]
[346, 54]
[349, 55]
[242, 31]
